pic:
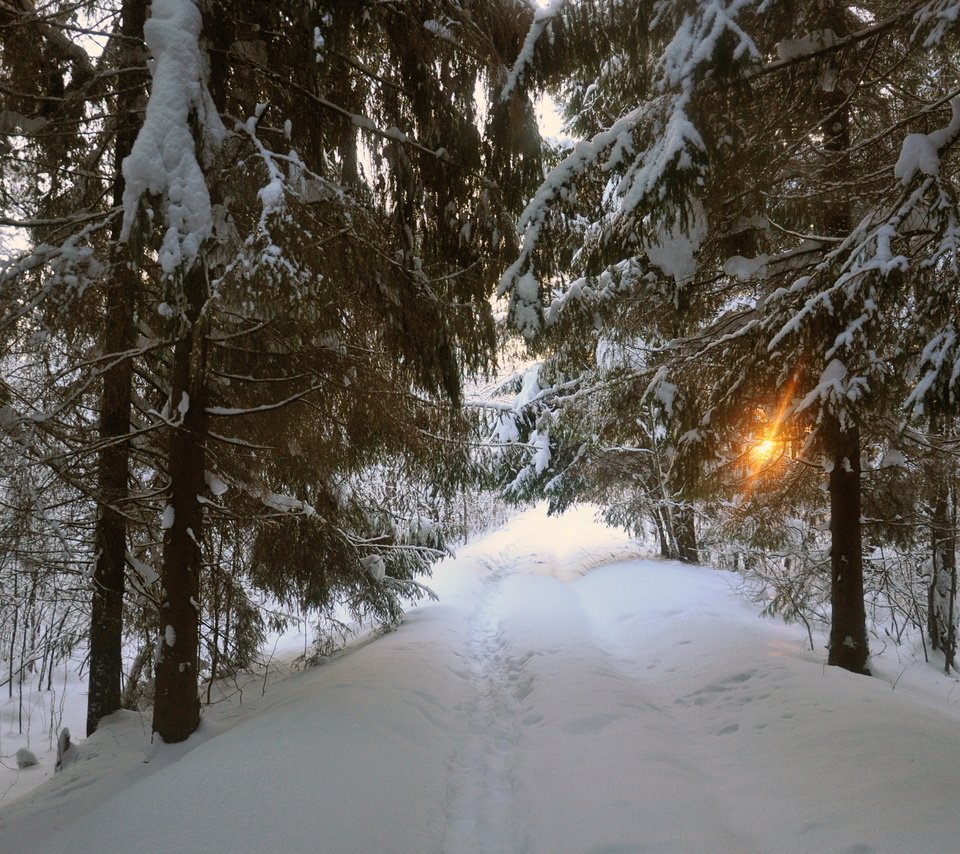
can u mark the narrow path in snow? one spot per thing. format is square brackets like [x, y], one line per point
[549, 691]
[481, 798]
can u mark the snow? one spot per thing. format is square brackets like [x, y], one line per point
[216, 486]
[374, 565]
[26, 758]
[286, 503]
[666, 393]
[893, 458]
[675, 250]
[921, 151]
[738, 267]
[791, 49]
[163, 161]
[542, 17]
[564, 695]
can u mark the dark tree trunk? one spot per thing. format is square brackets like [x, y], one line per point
[176, 712]
[848, 627]
[658, 518]
[686, 535]
[841, 439]
[110, 534]
[176, 709]
[106, 616]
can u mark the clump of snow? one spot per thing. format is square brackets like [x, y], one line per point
[163, 160]
[216, 486]
[529, 388]
[893, 458]
[170, 636]
[26, 758]
[738, 267]
[921, 151]
[66, 752]
[674, 251]
[374, 566]
[540, 442]
[666, 393]
[286, 503]
[790, 49]
[440, 30]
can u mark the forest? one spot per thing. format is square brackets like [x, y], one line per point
[296, 296]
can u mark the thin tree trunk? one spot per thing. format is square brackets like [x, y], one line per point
[841, 437]
[176, 711]
[110, 534]
[686, 534]
[664, 541]
[848, 627]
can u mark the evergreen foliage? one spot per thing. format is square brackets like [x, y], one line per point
[763, 208]
[310, 215]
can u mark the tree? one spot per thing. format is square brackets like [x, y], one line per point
[295, 280]
[110, 533]
[325, 292]
[748, 204]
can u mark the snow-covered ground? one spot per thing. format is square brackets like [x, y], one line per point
[562, 696]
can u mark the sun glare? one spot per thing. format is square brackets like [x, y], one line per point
[763, 451]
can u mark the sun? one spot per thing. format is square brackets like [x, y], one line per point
[763, 451]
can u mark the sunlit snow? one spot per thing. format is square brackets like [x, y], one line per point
[564, 695]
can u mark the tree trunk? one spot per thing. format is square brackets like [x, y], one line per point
[943, 581]
[841, 438]
[176, 709]
[106, 615]
[848, 627]
[659, 521]
[686, 534]
[176, 712]
[110, 534]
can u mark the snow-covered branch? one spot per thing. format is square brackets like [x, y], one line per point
[163, 161]
[542, 18]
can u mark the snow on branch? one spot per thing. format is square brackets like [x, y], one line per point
[696, 40]
[271, 194]
[163, 161]
[671, 163]
[542, 19]
[939, 16]
[72, 266]
[941, 353]
[519, 280]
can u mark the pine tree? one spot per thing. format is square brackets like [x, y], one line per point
[110, 533]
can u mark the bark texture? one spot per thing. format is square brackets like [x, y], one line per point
[110, 534]
[176, 711]
[848, 627]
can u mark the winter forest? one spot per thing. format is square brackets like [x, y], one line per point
[300, 298]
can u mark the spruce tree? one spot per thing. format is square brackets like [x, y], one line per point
[760, 205]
